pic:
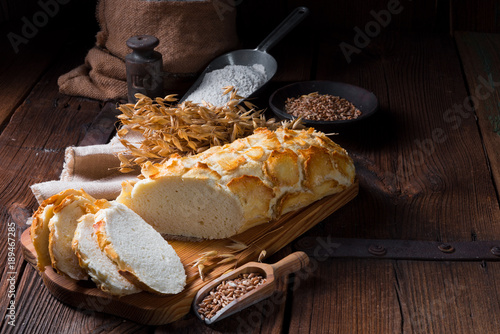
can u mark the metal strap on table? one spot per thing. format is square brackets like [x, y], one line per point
[321, 247]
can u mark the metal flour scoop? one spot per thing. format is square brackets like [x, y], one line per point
[249, 57]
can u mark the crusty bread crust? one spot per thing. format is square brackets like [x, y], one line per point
[105, 244]
[39, 230]
[132, 277]
[62, 228]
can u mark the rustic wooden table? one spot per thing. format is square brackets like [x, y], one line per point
[428, 165]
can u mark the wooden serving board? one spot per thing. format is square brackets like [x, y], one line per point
[150, 309]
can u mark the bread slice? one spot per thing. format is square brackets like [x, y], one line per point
[62, 227]
[140, 252]
[227, 190]
[39, 230]
[100, 268]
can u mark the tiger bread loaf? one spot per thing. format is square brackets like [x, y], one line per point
[228, 189]
[80, 236]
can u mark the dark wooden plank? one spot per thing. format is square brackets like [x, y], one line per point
[295, 60]
[39, 312]
[31, 150]
[363, 296]
[441, 192]
[335, 16]
[346, 296]
[27, 283]
[20, 144]
[469, 15]
[23, 63]
[21, 74]
[444, 297]
[102, 127]
[480, 54]
[27, 155]
[416, 155]
[32, 145]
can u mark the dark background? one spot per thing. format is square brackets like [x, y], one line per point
[258, 17]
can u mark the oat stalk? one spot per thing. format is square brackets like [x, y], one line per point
[262, 255]
[186, 128]
[211, 256]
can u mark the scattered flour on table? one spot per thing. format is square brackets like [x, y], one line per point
[247, 79]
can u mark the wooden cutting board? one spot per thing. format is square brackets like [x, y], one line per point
[150, 309]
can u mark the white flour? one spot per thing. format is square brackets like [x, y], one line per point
[247, 79]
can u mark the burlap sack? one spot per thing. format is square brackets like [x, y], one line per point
[191, 34]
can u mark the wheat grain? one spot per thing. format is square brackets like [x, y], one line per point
[228, 291]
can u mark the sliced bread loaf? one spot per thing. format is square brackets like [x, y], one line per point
[100, 268]
[227, 190]
[62, 227]
[140, 252]
[39, 230]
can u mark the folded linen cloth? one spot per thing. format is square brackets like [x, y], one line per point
[92, 168]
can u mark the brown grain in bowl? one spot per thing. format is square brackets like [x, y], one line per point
[321, 107]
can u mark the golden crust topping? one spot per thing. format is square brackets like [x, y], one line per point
[174, 167]
[282, 168]
[102, 204]
[324, 141]
[100, 233]
[228, 161]
[255, 153]
[202, 171]
[272, 143]
[235, 146]
[292, 201]
[264, 137]
[343, 163]
[87, 206]
[253, 194]
[317, 165]
[265, 131]
[64, 203]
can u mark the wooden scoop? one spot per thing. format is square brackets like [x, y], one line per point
[271, 272]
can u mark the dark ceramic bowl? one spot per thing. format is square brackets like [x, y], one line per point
[362, 99]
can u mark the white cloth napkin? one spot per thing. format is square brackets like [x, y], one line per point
[91, 168]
